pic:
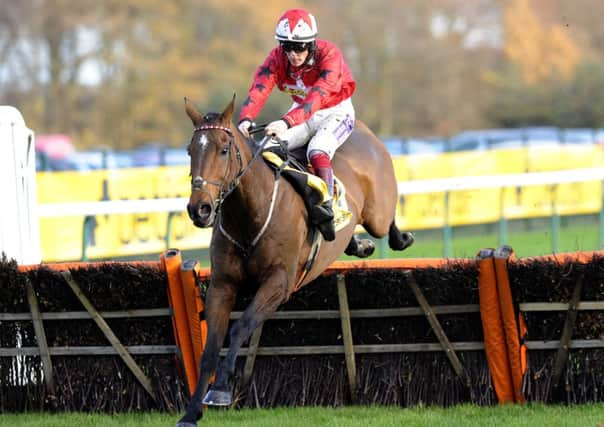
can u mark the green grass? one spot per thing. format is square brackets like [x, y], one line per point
[465, 415]
[527, 238]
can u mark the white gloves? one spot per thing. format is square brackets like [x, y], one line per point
[244, 127]
[276, 128]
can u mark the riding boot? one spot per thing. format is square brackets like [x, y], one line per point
[323, 213]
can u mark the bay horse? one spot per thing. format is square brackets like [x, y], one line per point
[262, 234]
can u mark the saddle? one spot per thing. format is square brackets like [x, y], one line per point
[311, 188]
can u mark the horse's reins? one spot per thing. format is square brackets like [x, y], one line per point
[200, 184]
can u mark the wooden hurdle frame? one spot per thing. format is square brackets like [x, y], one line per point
[186, 309]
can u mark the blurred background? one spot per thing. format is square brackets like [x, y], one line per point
[113, 73]
[102, 82]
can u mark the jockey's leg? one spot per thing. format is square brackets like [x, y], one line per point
[297, 136]
[332, 127]
[322, 214]
[321, 163]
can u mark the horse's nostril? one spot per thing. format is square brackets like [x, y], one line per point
[201, 214]
[205, 210]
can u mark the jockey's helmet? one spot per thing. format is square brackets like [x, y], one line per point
[296, 25]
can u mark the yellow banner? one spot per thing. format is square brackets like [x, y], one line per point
[106, 236]
[483, 206]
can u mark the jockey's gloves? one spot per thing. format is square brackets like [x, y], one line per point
[276, 128]
[244, 127]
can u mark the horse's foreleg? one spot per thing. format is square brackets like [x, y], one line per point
[219, 303]
[398, 240]
[268, 298]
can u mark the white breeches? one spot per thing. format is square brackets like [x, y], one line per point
[327, 129]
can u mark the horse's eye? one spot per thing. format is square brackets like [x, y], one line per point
[225, 150]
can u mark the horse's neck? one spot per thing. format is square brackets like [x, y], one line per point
[247, 207]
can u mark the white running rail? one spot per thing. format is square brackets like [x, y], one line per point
[178, 204]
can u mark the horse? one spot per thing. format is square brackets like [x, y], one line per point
[262, 234]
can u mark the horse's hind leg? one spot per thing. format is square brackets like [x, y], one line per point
[219, 303]
[361, 248]
[398, 240]
[269, 296]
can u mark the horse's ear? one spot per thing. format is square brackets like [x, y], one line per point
[192, 112]
[227, 114]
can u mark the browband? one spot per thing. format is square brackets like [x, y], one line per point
[209, 127]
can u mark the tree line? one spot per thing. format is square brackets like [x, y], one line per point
[114, 73]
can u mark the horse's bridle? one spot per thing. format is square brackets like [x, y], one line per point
[199, 184]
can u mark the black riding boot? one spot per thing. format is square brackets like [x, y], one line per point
[323, 213]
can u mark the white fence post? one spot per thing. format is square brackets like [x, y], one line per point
[19, 223]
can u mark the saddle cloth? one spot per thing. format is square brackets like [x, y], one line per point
[311, 188]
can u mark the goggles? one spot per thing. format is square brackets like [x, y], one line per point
[296, 47]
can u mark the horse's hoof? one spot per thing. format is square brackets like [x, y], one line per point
[185, 424]
[408, 239]
[366, 248]
[217, 398]
[399, 241]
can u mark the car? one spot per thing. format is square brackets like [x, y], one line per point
[87, 160]
[176, 156]
[404, 146]
[581, 136]
[488, 139]
[149, 154]
[46, 163]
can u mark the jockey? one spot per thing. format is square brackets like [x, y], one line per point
[314, 73]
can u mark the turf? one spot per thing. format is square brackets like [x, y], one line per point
[529, 415]
[526, 239]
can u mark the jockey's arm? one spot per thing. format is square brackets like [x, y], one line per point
[264, 81]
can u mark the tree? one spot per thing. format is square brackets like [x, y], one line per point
[146, 57]
[548, 80]
[413, 78]
[541, 51]
[44, 58]
[114, 73]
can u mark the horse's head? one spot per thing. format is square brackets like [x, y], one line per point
[215, 162]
